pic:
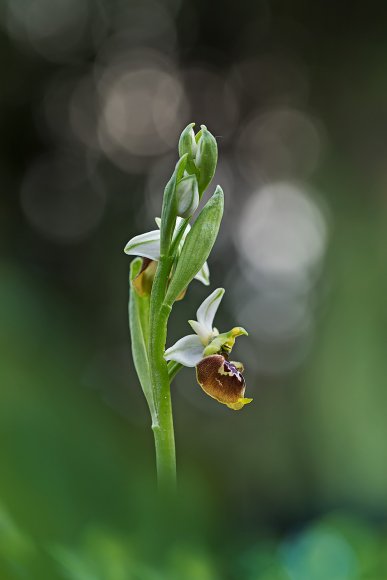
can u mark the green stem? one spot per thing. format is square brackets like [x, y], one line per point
[173, 368]
[163, 420]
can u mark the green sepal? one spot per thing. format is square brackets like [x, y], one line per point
[139, 332]
[169, 209]
[206, 158]
[197, 246]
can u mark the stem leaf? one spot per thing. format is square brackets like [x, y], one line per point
[139, 331]
[197, 246]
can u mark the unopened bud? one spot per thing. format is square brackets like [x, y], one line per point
[187, 142]
[206, 158]
[187, 196]
[188, 146]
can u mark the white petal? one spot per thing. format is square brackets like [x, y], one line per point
[179, 220]
[187, 351]
[202, 332]
[146, 245]
[204, 275]
[186, 232]
[207, 310]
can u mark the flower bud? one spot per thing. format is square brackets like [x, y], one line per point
[222, 381]
[206, 158]
[187, 196]
[187, 142]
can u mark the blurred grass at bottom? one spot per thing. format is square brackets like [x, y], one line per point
[77, 494]
[77, 497]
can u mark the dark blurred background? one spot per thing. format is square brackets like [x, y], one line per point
[93, 98]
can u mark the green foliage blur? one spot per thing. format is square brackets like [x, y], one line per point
[93, 97]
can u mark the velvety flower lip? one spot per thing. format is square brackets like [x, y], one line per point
[222, 380]
[148, 246]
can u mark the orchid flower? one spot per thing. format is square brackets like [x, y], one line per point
[167, 260]
[208, 351]
[148, 246]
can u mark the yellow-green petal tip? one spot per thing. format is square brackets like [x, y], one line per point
[239, 404]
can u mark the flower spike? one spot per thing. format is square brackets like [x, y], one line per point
[167, 260]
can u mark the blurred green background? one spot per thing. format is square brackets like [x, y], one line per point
[94, 95]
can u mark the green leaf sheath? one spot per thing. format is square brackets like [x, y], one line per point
[163, 427]
[139, 331]
[148, 317]
[197, 246]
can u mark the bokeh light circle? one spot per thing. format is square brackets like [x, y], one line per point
[281, 230]
[279, 144]
[143, 108]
